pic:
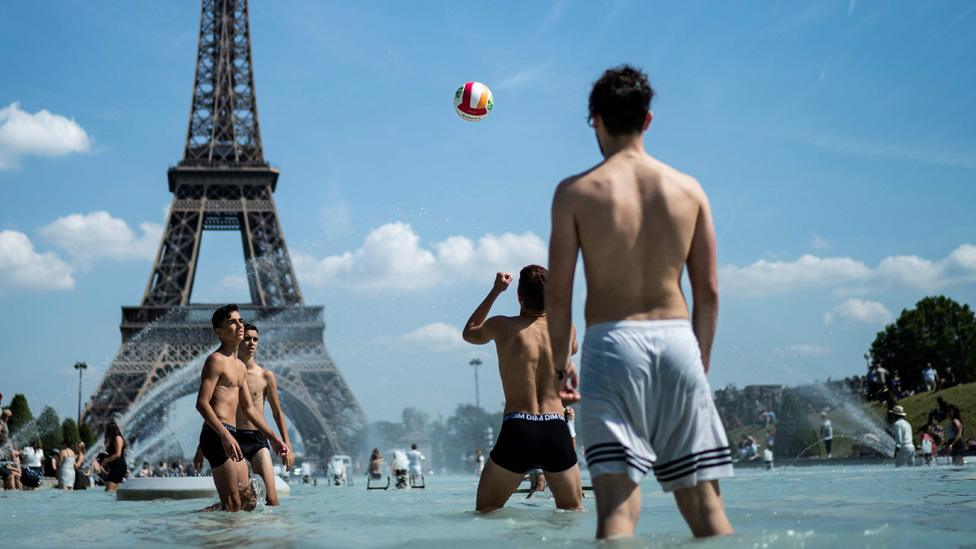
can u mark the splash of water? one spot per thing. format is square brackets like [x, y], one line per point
[851, 407]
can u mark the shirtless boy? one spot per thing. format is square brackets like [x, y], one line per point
[223, 392]
[647, 402]
[534, 432]
[253, 443]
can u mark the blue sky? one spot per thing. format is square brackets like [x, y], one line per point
[837, 141]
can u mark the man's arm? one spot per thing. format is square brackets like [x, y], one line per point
[247, 406]
[271, 394]
[703, 275]
[563, 249]
[480, 329]
[208, 382]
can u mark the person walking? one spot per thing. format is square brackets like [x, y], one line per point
[81, 479]
[66, 469]
[904, 447]
[826, 433]
[929, 376]
[954, 443]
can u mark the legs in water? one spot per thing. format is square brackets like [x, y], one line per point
[264, 468]
[567, 488]
[495, 487]
[617, 506]
[227, 480]
[701, 506]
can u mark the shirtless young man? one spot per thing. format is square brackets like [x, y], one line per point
[647, 403]
[534, 432]
[253, 443]
[224, 391]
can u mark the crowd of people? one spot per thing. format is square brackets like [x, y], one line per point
[882, 385]
[67, 468]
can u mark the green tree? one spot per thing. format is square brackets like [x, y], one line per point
[69, 432]
[467, 429]
[385, 434]
[415, 421]
[49, 430]
[937, 330]
[21, 413]
[794, 434]
[85, 432]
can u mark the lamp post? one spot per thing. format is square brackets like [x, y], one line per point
[81, 367]
[477, 399]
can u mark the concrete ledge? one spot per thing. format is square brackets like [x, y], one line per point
[142, 489]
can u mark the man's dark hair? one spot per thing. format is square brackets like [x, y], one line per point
[532, 287]
[413, 446]
[621, 98]
[222, 314]
[248, 327]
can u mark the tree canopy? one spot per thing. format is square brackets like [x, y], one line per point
[85, 432]
[49, 430]
[21, 413]
[69, 432]
[937, 330]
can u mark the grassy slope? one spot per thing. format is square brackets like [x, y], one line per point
[917, 407]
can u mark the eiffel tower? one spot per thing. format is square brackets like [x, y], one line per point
[224, 183]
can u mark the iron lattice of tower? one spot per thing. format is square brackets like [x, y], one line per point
[223, 183]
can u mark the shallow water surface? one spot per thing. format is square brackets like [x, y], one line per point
[859, 506]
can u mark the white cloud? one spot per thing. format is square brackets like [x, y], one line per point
[859, 310]
[97, 235]
[916, 272]
[438, 336]
[779, 277]
[802, 350]
[41, 133]
[23, 268]
[764, 278]
[393, 258]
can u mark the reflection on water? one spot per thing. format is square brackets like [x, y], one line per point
[791, 507]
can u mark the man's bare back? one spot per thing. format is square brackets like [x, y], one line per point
[525, 364]
[524, 354]
[636, 219]
[638, 222]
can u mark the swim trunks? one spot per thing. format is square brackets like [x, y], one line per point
[211, 446]
[251, 441]
[527, 441]
[648, 405]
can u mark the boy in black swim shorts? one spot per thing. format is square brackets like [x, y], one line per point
[534, 432]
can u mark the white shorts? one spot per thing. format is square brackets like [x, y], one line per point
[648, 406]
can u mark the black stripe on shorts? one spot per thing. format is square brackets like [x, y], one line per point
[694, 466]
[681, 463]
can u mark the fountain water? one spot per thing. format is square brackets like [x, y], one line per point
[872, 432]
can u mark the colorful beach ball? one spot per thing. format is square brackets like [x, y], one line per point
[473, 101]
